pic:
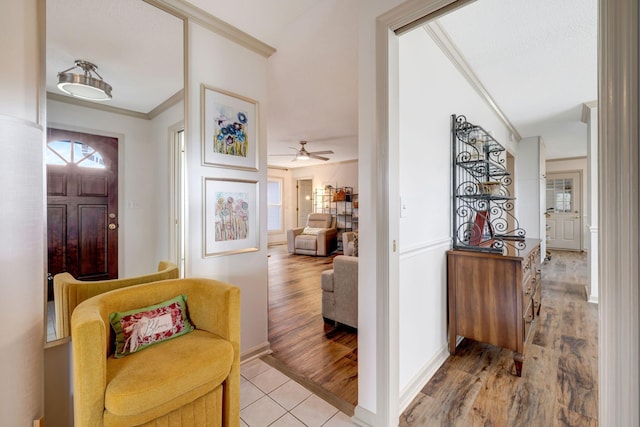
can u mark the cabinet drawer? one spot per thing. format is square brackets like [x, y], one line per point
[535, 257]
[528, 319]
[526, 267]
[528, 289]
[537, 299]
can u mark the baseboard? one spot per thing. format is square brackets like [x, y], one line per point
[363, 417]
[422, 378]
[255, 352]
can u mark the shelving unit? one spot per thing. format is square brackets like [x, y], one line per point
[482, 206]
[342, 203]
[494, 274]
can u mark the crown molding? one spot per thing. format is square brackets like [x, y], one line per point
[168, 103]
[190, 12]
[171, 101]
[444, 42]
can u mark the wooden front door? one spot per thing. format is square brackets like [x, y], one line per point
[82, 205]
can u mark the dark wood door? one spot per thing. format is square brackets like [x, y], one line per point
[82, 205]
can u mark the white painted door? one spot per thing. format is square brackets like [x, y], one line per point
[564, 211]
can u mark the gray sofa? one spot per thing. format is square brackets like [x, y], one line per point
[340, 291]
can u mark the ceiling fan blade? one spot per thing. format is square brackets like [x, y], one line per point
[322, 152]
[313, 156]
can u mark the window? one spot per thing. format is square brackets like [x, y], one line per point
[78, 153]
[559, 195]
[274, 204]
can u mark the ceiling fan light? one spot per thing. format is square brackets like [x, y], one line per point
[302, 156]
[84, 86]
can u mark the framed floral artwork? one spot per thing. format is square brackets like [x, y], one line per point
[229, 129]
[231, 223]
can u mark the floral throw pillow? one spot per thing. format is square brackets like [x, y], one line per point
[139, 328]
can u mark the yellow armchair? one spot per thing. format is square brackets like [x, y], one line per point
[69, 292]
[190, 380]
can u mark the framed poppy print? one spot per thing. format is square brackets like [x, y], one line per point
[229, 130]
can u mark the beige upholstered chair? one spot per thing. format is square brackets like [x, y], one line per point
[340, 291]
[69, 292]
[350, 243]
[318, 237]
[189, 380]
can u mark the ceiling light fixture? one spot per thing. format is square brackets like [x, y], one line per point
[84, 85]
[302, 156]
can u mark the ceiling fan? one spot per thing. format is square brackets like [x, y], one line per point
[302, 153]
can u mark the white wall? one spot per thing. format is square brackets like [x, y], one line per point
[218, 62]
[431, 89]
[22, 252]
[531, 189]
[344, 174]
[575, 164]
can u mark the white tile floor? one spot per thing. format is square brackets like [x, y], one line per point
[270, 398]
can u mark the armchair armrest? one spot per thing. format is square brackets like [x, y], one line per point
[90, 336]
[326, 241]
[291, 238]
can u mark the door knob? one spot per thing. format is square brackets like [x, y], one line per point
[112, 226]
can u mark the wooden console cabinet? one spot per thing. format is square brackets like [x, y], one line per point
[495, 298]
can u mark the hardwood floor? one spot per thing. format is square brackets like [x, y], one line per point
[321, 356]
[477, 386]
[558, 387]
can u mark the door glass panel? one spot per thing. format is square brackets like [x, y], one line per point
[61, 150]
[60, 153]
[559, 195]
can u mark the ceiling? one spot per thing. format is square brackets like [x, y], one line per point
[539, 66]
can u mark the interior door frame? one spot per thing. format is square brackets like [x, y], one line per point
[177, 195]
[618, 136]
[121, 177]
[298, 224]
[581, 220]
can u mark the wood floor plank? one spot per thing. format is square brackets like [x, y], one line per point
[576, 384]
[302, 343]
[558, 387]
[476, 386]
[451, 405]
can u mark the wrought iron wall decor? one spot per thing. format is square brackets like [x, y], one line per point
[483, 217]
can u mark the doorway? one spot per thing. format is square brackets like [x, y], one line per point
[564, 210]
[82, 205]
[305, 201]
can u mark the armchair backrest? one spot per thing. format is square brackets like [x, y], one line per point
[320, 220]
[69, 291]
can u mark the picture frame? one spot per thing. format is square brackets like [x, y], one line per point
[229, 129]
[230, 217]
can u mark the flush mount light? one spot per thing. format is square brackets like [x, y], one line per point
[84, 85]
